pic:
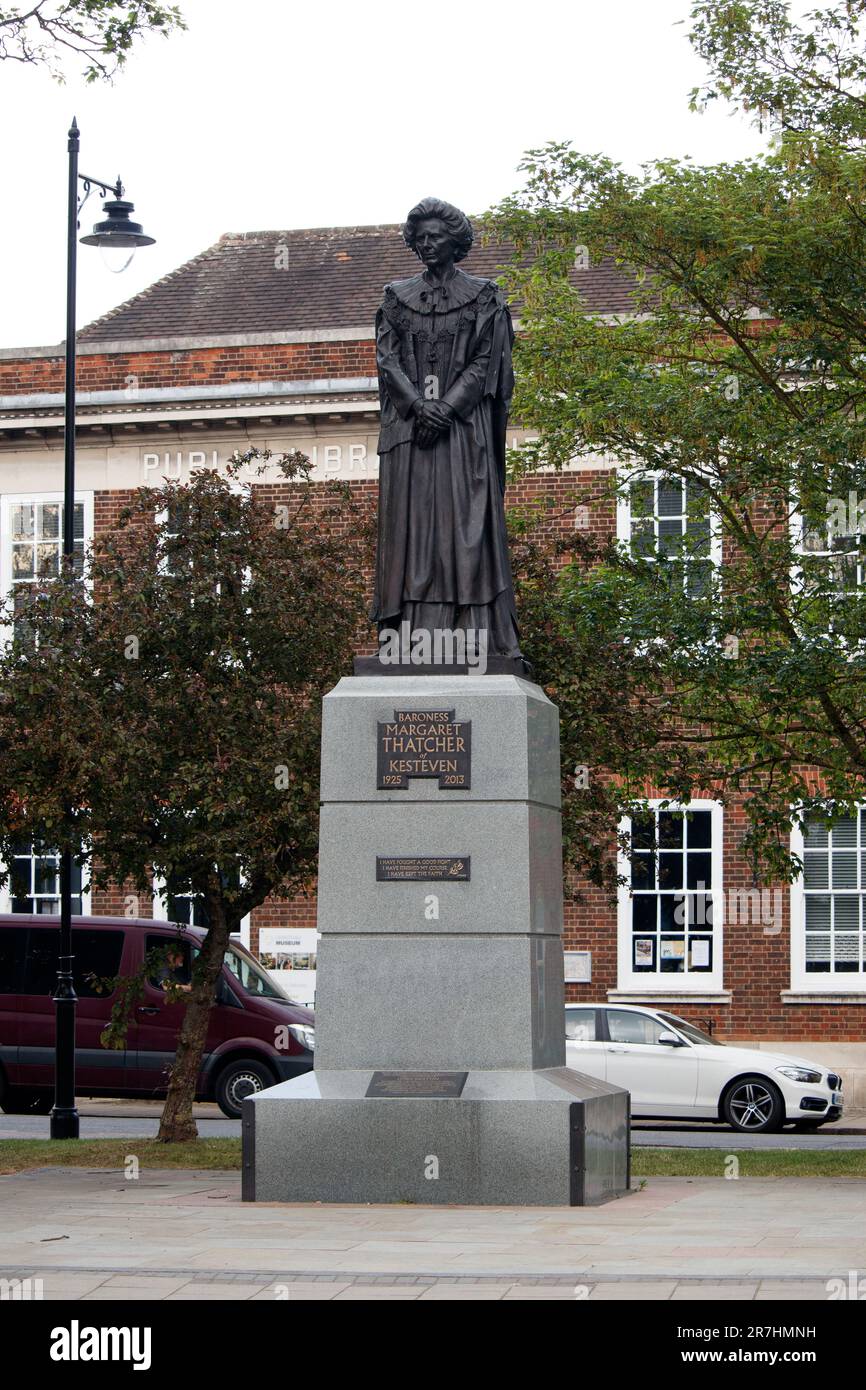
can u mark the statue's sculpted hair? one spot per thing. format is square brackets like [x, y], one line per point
[458, 224]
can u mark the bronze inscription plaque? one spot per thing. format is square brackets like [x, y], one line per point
[419, 868]
[424, 743]
[425, 1084]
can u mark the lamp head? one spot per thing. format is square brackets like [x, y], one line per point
[118, 233]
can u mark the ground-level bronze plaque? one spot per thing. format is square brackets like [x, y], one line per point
[419, 868]
[427, 1085]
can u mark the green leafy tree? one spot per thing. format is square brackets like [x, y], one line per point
[100, 32]
[178, 709]
[611, 723]
[803, 76]
[738, 383]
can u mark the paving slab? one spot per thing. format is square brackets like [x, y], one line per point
[69, 1286]
[546, 1293]
[378, 1292]
[714, 1293]
[462, 1292]
[302, 1293]
[129, 1286]
[660, 1291]
[790, 1290]
[200, 1292]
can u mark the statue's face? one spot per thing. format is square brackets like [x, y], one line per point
[433, 243]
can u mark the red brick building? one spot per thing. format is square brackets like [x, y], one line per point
[267, 339]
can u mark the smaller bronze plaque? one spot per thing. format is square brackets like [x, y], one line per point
[426, 1085]
[419, 868]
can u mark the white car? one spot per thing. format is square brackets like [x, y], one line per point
[676, 1071]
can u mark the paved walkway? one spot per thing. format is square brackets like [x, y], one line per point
[93, 1235]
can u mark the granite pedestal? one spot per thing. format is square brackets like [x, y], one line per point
[440, 1070]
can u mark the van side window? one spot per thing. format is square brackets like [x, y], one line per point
[97, 957]
[174, 965]
[13, 941]
[40, 965]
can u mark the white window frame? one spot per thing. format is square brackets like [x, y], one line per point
[799, 534]
[814, 982]
[17, 499]
[625, 477]
[236, 486]
[673, 982]
[86, 895]
[160, 910]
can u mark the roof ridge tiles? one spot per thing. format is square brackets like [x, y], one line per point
[312, 231]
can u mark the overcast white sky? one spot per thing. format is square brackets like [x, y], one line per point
[279, 113]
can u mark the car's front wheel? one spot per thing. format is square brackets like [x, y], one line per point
[753, 1105]
[239, 1080]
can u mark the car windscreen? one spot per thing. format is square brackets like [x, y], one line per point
[688, 1030]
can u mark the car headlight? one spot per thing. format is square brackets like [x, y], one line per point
[802, 1074]
[304, 1034]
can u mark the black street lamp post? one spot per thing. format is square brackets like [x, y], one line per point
[117, 230]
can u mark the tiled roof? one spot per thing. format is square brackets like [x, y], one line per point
[324, 277]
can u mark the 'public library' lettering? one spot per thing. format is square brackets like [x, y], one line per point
[424, 743]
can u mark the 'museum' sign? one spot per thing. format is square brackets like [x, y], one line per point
[424, 743]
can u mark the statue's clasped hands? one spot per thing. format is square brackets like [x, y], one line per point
[432, 419]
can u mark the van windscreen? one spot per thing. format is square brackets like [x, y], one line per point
[252, 978]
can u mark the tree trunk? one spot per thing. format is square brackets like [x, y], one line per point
[177, 1124]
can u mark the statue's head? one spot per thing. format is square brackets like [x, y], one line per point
[451, 221]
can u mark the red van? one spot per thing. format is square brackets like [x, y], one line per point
[256, 1035]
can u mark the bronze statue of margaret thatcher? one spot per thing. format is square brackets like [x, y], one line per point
[443, 349]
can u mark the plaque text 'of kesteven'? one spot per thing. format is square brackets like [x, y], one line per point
[424, 743]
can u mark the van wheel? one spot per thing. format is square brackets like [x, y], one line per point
[753, 1105]
[240, 1079]
[18, 1100]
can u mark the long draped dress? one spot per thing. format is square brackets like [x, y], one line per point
[442, 559]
